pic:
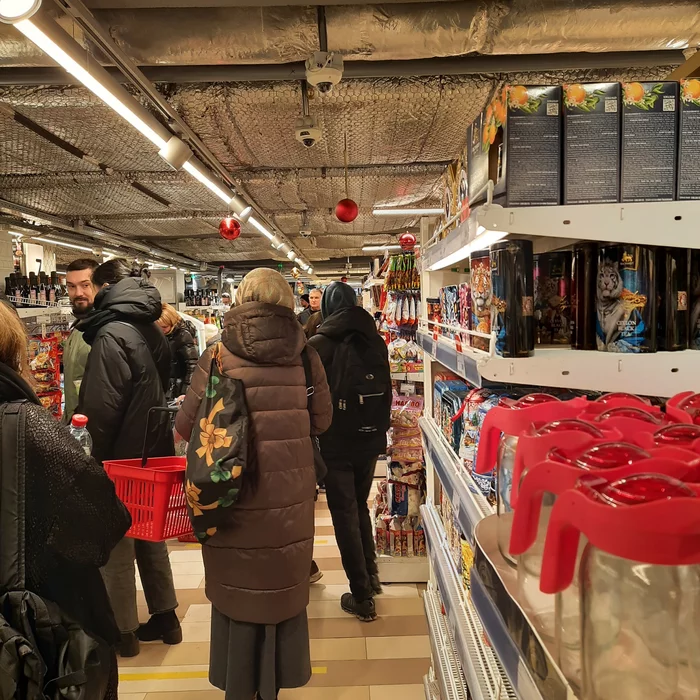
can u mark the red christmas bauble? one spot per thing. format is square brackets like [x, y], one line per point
[407, 241]
[346, 211]
[229, 229]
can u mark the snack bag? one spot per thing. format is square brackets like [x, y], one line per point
[399, 500]
[395, 537]
[418, 539]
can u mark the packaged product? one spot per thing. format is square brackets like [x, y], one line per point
[480, 266]
[395, 547]
[434, 315]
[418, 539]
[449, 309]
[689, 140]
[381, 532]
[440, 387]
[694, 336]
[465, 310]
[451, 405]
[467, 562]
[552, 286]
[672, 314]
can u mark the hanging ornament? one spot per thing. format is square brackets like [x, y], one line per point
[407, 241]
[344, 279]
[229, 229]
[346, 210]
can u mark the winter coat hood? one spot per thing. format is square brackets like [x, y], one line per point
[267, 334]
[352, 319]
[338, 295]
[129, 300]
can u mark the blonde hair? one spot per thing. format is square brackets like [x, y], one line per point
[13, 342]
[169, 318]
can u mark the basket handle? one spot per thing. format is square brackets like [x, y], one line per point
[151, 411]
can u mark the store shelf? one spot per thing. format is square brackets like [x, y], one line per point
[182, 306]
[484, 675]
[407, 376]
[430, 687]
[403, 569]
[450, 678]
[650, 374]
[43, 312]
[633, 222]
[468, 503]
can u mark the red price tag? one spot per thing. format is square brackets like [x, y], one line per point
[436, 330]
[458, 342]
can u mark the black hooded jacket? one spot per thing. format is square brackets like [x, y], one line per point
[127, 373]
[184, 357]
[73, 518]
[330, 334]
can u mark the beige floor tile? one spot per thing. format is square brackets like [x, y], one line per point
[326, 551]
[350, 648]
[188, 568]
[184, 582]
[399, 590]
[330, 627]
[322, 530]
[397, 692]
[187, 654]
[324, 590]
[196, 631]
[332, 577]
[198, 613]
[324, 520]
[345, 693]
[152, 654]
[211, 694]
[409, 647]
[371, 672]
[132, 696]
[186, 555]
[385, 607]
[330, 563]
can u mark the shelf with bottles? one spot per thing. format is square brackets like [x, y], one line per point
[447, 669]
[34, 291]
[478, 661]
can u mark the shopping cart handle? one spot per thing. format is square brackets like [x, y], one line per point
[153, 409]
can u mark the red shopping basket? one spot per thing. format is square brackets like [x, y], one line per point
[153, 492]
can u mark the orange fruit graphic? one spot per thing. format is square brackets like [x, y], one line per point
[492, 133]
[485, 134]
[691, 89]
[500, 110]
[489, 112]
[634, 92]
[518, 95]
[575, 94]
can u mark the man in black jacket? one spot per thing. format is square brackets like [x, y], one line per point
[356, 361]
[127, 374]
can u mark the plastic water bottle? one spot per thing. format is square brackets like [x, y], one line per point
[78, 429]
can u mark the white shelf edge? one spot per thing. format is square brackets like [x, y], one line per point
[403, 569]
[450, 677]
[485, 677]
[648, 374]
[407, 376]
[429, 688]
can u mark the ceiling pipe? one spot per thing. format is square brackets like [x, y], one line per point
[366, 70]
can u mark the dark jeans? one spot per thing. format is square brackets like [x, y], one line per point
[348, 484]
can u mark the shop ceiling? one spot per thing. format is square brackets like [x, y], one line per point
[416, 75]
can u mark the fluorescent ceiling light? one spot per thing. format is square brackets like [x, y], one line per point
[241, 207]
[407, 212]
[291, 254]
[370, 248]
[483, 239]
[15, 234]
[310, 270]
[48, 46]
[198, 172]
[13, 10]
[61, 243]
[256, 224]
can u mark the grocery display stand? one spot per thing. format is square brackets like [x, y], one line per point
[490, 661]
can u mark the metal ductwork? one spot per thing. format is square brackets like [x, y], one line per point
[273, 35]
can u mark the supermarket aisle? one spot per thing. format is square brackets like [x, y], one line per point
[351, 660]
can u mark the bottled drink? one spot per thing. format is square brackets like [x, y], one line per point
[25, 291]
[54, 292]
[33, 289]
[78, 429]
[43, 291]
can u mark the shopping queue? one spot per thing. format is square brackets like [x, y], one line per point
[257, 561]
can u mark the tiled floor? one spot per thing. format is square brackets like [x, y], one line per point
[351, 660]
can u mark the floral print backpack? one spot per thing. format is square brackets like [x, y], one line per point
[218, 452]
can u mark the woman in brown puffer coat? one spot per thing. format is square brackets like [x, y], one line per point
[257, 564]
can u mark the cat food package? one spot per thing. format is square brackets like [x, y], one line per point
[533, 175]
[552, 284]
[689, 140]
[694, 336]
[480, 267]
[626, 299]
[591, 143]
[649, 141]
[486, 144]
[672, 290]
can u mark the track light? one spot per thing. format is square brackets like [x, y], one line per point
[242, 209]
[195, 168]
[256, 224]
[310, 270]
[12, 11]
[407, 212]
[61, 243]
[291, 254]
[378, 248]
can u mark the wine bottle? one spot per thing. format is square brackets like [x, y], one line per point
[42, 296]
[25, 291]
[54, 293]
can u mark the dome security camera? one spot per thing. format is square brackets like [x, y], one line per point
[307, 131]
[324, 70]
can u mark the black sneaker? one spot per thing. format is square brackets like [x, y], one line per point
[316, 574]
[363, 611]
[163, 627]
[376, 584]
[129, 645]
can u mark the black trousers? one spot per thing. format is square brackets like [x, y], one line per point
[348, 484]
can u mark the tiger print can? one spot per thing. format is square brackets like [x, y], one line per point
[480, 285]
[626, 299]
[512, 303]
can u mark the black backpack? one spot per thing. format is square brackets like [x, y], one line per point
[44, 655]
[361, 388]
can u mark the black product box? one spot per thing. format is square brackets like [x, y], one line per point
[689, 140]
[533, 146]
[486, 149]
[649, 141]
[592, 143]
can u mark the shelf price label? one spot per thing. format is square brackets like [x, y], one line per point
[460, 364]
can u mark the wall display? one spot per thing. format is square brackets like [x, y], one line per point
[584, 280]
[649, 137]
[533, 176]
[591, 143]
[626, 299]
[552, 289]
[480, 267]
[689, 140]
[512, 304]
[672, 282]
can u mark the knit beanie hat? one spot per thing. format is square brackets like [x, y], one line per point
[267, 286]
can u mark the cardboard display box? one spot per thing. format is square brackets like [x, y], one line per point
[592, 143]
